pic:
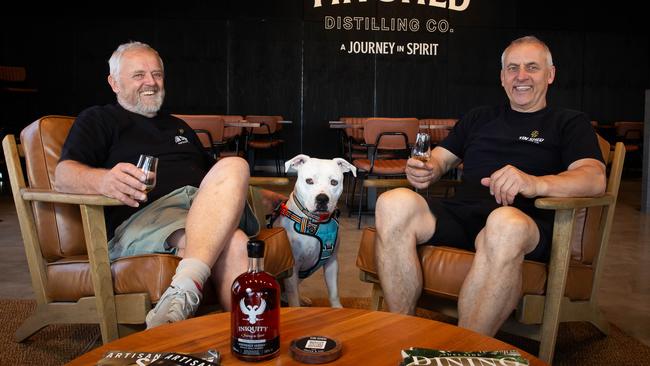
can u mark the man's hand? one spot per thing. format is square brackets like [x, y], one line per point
[509, 181]
[125, 183]
[419, 173]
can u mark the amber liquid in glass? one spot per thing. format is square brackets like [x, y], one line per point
[423, 158]
[255, 314]
[149, 186]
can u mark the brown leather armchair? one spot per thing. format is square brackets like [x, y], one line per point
[65, 244]
[565, 289]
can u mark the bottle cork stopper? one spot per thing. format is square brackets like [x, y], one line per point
[315, 349]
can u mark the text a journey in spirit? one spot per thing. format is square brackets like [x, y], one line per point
[390, 48]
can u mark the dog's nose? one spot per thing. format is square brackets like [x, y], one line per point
[322, 200]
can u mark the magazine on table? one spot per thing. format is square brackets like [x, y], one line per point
[424, 356]
[137, 358]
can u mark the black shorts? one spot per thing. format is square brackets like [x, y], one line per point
[459, 222]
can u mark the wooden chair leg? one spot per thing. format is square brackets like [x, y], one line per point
[82, 311]
[377, 297]
[37, 321]
[360, 204]
[599, 321]
[558, 268]
[351, 195]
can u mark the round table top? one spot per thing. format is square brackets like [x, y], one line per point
[368, 337]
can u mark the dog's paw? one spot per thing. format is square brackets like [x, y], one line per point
[335, 303]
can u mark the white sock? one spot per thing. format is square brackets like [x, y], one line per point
[194, 269]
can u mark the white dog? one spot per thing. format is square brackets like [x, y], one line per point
[311, 220]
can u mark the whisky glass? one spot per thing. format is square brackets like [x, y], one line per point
[422, 147]
[149, 165]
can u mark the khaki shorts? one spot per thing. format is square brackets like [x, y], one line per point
[147, 230]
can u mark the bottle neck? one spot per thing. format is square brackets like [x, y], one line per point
[255, 264]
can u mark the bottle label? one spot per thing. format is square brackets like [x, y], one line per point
[259, 347]
[255, 320]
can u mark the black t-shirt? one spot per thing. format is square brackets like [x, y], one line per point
[541, 143]
[103, 136]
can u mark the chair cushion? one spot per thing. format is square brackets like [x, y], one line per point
[69, 278]
[278, 258]
[444, 269]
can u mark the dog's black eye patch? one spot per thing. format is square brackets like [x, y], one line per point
[334, 182]
[309, 181]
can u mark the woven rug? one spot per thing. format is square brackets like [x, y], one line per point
[52, 345]
[577, 344]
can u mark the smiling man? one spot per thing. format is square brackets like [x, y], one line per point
[511, 154]
[197, 209]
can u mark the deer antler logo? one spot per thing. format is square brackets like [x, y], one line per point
[252, 311]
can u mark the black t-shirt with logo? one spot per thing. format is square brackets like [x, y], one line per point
[541, 143]
[103, 136]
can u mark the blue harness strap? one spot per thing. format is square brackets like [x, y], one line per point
[326, 232]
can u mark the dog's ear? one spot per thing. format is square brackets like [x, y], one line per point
[345, 166]
[296, 162]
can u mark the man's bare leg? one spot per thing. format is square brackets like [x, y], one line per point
[216, 210]
[222, 274]
[403, 220]
[492, 287]
[231, 263]
[209, 238]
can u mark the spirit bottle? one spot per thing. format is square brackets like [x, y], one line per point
[255, 314]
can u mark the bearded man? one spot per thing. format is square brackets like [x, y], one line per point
[197, 209]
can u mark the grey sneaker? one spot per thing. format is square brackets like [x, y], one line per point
[176, 304]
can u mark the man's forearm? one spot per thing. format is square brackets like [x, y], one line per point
[585, 181]
[74, 177]
[442, 161]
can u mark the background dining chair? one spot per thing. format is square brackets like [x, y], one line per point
[438, 128]
[630, 133]
[265, 137]
[210, 130]
[353, 142]
[565, 289]
[232, 136]
[393, 135]
[66, 245]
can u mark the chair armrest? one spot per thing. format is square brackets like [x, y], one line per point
[386, 183]
[558, 265]
[46, 195]
[92, 216]
[256, 199]
[268, 181]
[566, 203]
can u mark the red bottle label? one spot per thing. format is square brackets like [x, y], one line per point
[255, 316]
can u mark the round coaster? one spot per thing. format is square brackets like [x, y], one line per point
[315, 349]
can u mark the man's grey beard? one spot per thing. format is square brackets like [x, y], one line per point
[141, 108]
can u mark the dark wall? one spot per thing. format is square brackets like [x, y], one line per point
[275, 57]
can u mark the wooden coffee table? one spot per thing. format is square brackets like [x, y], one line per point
[368, 337]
